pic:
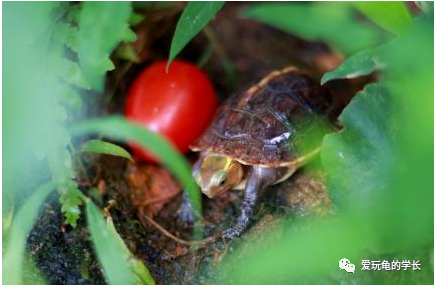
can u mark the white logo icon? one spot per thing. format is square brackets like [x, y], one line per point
[346, 265]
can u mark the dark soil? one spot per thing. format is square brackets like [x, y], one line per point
[249, 49]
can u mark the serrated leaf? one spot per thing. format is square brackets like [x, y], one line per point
[66, 34]
[111, 254]
[73, 15]
[105, 65]
[360, 64]
[71, 217]
[99, 146]
[393, 16]
[129, 35]
[98, 38]
[71, 72]
[118, 128]
[71, 199]
[136, 18]
[21, 226]
[71, 98]
[331, 22]
[194, 18]
[127, 51]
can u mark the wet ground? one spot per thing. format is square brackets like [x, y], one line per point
[244, 52]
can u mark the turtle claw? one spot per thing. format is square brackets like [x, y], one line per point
[232, 233]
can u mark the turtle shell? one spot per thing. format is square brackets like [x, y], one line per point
[269, 123]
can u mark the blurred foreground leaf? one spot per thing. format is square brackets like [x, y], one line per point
[410, 79]
[118, 128]
[195, 16]
[360, 64]
[99, 146]
[102, 26]
[110, 252]
[331, 22]
[380, 176]
[425, 6]
[21, 226]
[393, 16]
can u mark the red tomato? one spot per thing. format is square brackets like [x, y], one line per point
[178, 105]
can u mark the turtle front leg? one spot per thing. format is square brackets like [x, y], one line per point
[258, 179]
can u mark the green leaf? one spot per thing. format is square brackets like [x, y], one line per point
[71, 72]
[142, 274]
[129, 35]
[71, 199]
[73, 15]
[358, 158]
[118, 128]
[8, 210]
[21, 226]
[425, 6]
[127, 51]
[194, 18]
[110, 253]
[360, 64]
[393, 16]
[66, 34]
[331, 22]
[102, 26]
[136, 18]
[99, 146]
[71, 98]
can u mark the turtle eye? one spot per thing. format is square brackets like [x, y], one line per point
[223, 181]
[220, 178]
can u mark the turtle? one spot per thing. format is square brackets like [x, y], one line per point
[260, 137]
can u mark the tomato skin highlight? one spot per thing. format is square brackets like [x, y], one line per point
[179, 105]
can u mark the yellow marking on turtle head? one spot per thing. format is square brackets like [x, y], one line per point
[218, 174]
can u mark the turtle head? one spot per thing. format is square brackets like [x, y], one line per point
[217, 174]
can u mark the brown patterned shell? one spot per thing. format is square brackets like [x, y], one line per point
[266, 124]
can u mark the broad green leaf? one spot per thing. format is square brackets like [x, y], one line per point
[331, 22]
[410, 78]
[194, 18]
[118, 128]
[360, 64]
[142, 274]
[358, 158]
[21, 226]
[393, 16]
[99, 146]
[110, 252]
[102, 26]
